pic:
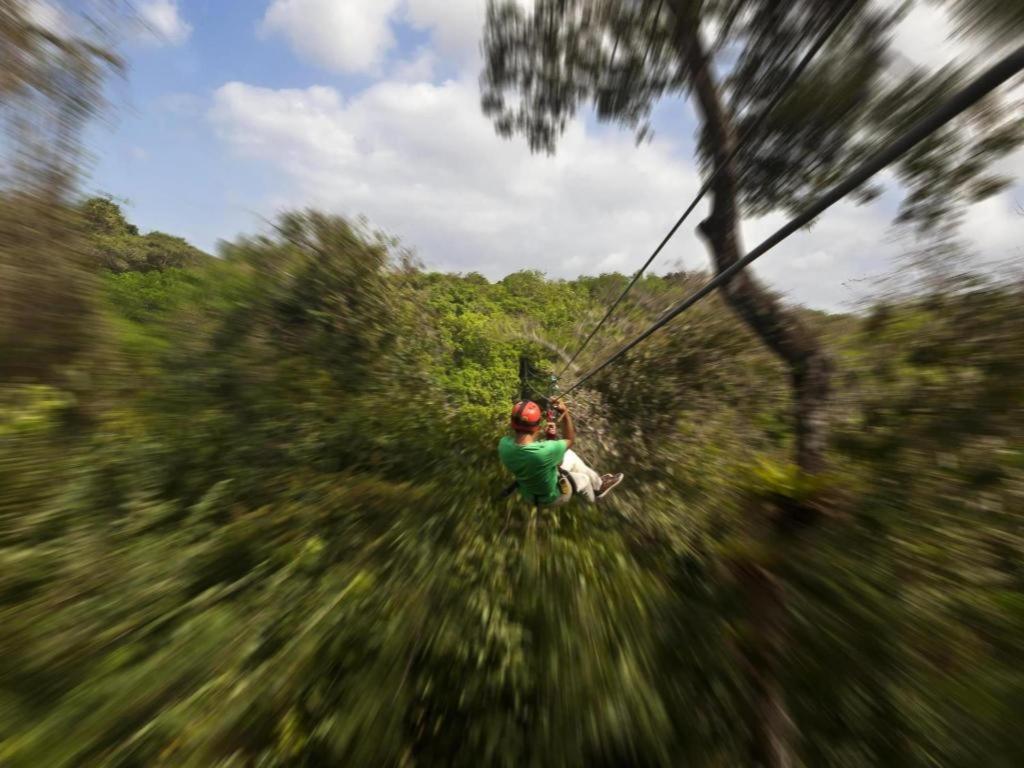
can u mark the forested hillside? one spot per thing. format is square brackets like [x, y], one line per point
[252, 518]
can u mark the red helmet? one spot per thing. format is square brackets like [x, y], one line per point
[526, 416]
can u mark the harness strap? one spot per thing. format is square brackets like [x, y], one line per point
[562, 476]
[569, 478]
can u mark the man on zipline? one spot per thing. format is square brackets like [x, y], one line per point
[547, 471]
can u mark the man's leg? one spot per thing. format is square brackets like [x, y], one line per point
[587, 481]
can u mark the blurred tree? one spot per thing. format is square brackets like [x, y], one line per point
[1001, 21]
[55, 62]
[544, 64]
[324, 286]
[104, 217]
[117, 246]
[50, 86]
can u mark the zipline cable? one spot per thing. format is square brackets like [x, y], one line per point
[751, 129]
[988, 81]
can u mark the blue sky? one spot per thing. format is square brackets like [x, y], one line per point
[158, 151]
[233, 111]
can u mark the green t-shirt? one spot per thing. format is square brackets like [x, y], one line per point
[535, 466]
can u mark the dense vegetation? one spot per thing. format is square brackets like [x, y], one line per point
[251, 518]
[118, 246]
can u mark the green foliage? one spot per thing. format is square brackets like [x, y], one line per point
[103, 216]
[147, 298]
[769, 478]
[278, 542]
[118, 247]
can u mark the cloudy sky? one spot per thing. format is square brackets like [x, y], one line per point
[231, 112]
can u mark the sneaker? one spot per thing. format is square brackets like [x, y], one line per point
[608, 482]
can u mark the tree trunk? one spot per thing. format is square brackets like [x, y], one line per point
[770, 726]
[785, 334]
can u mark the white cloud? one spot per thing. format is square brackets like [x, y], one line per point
[832, 264]
[340, 35]
[928, 36]
[999, 223]
[421, 161]
[358, 35]
[925, 36]
[418, 69]
[456, 25]
[163, 23]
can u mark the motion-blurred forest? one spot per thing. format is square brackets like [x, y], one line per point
[253, 521]
[250, 512]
